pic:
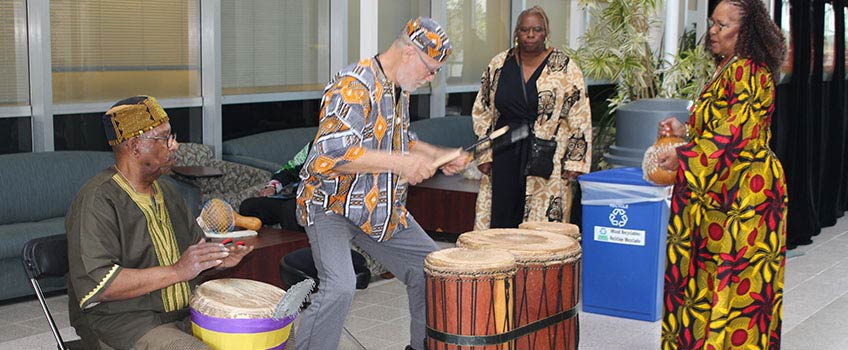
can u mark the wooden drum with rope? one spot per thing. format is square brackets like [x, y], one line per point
[546, 284]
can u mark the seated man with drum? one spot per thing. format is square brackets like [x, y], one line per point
[355, 180]
[134, 249]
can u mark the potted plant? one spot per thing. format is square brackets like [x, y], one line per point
[618, 48]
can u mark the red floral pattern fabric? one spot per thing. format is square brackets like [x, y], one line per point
[726, 236]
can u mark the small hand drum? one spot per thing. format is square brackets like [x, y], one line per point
[651, 169]
[218, 217]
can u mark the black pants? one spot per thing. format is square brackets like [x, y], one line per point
[272, 211]
[509, 184]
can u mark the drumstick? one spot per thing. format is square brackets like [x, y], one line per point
[514, 136]
[495, 134]
[490, 137]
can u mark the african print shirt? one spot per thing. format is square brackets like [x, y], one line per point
[360, 110]
[111, 227]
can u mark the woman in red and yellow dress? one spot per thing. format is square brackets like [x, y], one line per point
[727, 231]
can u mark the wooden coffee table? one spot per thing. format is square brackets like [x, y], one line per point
[263, 263]
[444, 204]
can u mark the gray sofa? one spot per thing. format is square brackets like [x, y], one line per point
[36, 190]
[270, 150]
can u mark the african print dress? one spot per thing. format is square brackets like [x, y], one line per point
[727, 233]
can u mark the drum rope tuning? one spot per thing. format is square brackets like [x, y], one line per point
[494, 339]
[546, 284]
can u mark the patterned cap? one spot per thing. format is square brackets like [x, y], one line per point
[132, 117]
[429, 36]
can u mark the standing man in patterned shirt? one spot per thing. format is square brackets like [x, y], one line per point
[355, 179]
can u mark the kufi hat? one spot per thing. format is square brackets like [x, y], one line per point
[429, 37]
[132, 117]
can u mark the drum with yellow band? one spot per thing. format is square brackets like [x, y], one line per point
[233, 313]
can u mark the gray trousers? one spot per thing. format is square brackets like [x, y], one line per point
[330, 237]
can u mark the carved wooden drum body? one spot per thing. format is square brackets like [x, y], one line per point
[469, 297]
[546, 284]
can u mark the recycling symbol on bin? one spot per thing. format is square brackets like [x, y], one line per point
[618, 217]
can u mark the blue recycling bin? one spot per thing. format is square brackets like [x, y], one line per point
[625, 220]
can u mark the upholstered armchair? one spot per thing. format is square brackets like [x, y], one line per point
[237, 183]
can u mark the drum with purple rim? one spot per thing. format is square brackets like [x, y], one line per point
[233, 313]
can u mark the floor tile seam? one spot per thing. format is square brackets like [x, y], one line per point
[785, 290]
[826, 269]
[821, 271]
[844, 293]
[374, 324]
[817, 245]
[30, 319]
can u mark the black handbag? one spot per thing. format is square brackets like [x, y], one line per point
[541, 160]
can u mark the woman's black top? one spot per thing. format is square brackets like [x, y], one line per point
[509, 160]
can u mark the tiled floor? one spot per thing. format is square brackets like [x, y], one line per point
[815, 309]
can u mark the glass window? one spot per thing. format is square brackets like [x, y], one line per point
[392, 16]
[274, 46]
[105, 50]
[14, 62]
[252, 118]
[559, 12]
[353, 31]
[15, 135]
[829, 41]
[85, 131]
[460, 103]
[478, 30]
[786, 26]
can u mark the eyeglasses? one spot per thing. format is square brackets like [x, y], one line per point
[721, 26]
[525, 30]
[433, 71]
[167, 138]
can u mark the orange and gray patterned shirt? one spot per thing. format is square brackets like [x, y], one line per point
[359, 111]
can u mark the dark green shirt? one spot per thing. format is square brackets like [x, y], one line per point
[111, 227]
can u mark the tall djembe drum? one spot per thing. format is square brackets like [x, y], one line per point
[469, 297]
[546, 284]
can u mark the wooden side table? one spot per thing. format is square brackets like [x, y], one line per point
[444, 203]
[194, 172]
[263, 263]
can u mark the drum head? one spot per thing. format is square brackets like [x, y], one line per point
[562, 228]
[526, 245]
[462, 261]
[236, 298]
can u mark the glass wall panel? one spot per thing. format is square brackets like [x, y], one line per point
[274, 46]
[14, 65]
[353, 31]
[479, 29]
[15, 135]
[105, 50]
[85, 131]
[392, 15]
[786, 26]
[252, 118]
[829, 41]
[559, 12]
